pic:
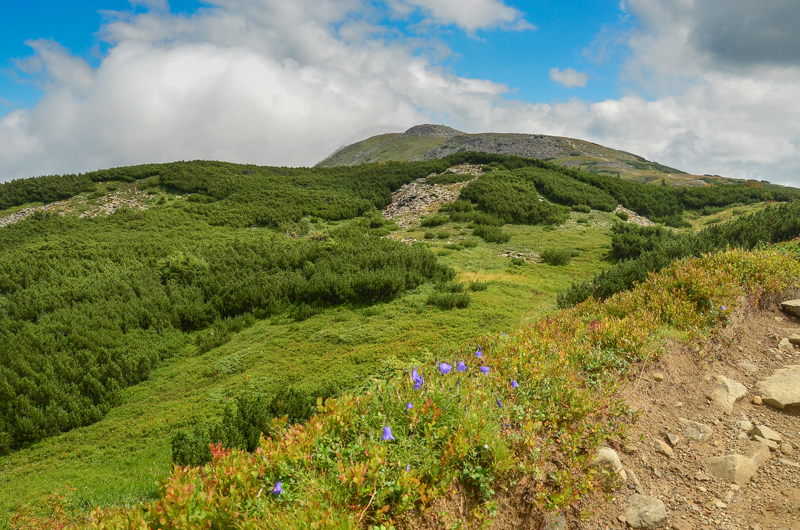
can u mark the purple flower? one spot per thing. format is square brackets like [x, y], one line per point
[277, 490]
[409, 406]
[387, 433]
[723, 308]
[514, 383]
[408, 468]
[479, 352]
[461, 366]
[485, 369]
[444, 368]
[417, 378]
[499, 405]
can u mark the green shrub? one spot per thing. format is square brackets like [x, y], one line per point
[488, 219]
[581, 220]
[436, 220]
[450, 287]
[518, 261]
[447, 300]
[478, 286]
[441, 234]
[191, 448]
[429, 234]
[582, 208]
[556, 256]
[444, 252]
[491, 234]
[622, 215]
[468, 243]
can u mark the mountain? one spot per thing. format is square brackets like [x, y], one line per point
[427, 142]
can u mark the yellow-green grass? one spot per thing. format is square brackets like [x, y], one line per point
[699, 221]
[120, 459]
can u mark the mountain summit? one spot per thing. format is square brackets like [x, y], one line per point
[429, 141]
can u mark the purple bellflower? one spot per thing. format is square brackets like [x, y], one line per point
[479, 352]
[514, 383]
[499, 405]
[277, 490]
[461, 366]
[444, 368]
[417, 378]
[409, 406]
[387, 433]
[485, 369]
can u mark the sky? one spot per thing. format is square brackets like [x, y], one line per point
[707, 86]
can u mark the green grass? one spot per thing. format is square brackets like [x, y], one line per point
[120, 459]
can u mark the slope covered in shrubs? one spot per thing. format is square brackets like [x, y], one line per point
[481, 420]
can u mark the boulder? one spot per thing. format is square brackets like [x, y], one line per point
[696, 431]
[792, 307]
[795, 339]
[765, 432]
[782, 389]
[644, 511]
[785, 346]
[727, 392]
[608, 463]
[734, 469]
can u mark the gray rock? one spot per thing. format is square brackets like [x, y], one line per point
[663, 448]
[795, 339]
[785, 346]
[744, 425]
[765, 432]
[782, 390]
[727, 392]
[672, 439]
[792, 307]
[786, 448]
[773, 446]
[696, 431]
[634, 479]
[555, 521]
[750, 368]
[644, 512]
[607, 463]
[734, 469]
[758, 452]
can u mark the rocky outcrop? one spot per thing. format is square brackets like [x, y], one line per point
[782, 390]
[427, 129]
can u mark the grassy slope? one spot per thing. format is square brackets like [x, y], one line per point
[120, 459]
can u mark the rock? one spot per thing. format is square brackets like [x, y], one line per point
[794, 339]
[758, 452]
[792, 307]
[719, 504]
[736, 469]
[769, 443]
[782, 390]
[785, 346]
[644, 512]
[702, 477]
[727, 392]
[789, 463]
[696, 431]
[680, 524]
[757, 400]
[744, 425]
[657, 376]
[663, 448]
[672, 439]
[634, 479]
[750, 368]
[728, 497]
[786, 448]
[607, 463]
[765, 432]
[555, 521]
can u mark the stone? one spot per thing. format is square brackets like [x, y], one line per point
[773, 446]
[765, 432]
[786, 448]
[789, 463]
[794, 339]
[792, 307]
[758, 452]
[645, 512]
[727, 392]
[782, 389]
[757, 400]
[680, 524]
[657, 376]
[736, 469]
[728, 497]
[744, 425]
[750, 368]
[702, 477]
[719, 504]
[696, 431]
[785, 346]
[634, 479]
[663, 448]
[608, 463]
[555, 521]
[672, 439]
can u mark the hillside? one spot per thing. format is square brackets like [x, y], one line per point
[146, 312]
[426, 142]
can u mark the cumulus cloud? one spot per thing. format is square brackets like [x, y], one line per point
[569, 78]
[468, 14]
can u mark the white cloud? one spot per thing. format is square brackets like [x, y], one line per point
[468, 14]
[569, 78]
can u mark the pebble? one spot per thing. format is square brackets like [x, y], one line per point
[786, 448]
[663, 448]
[757, 400]
[657, 376]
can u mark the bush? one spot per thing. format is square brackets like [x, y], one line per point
[478, 286]
[441, 234]
[481, 218]
[622, 215]
[436, 220]
[581, 220]
[582, 208]
[429, 234]
[556, 256]
[468, 243]
[447, 300]
[491, 234]
[518, 261]
[191, 448]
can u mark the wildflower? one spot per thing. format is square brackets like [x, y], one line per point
[461, 366]
[408, 468]
[387, 433]
[417, 378]
[514, 383]
[479, 352]
[409, 406]
[723, 308]
[277, 490]
[444, 368]
[485, 369]
[499, 405]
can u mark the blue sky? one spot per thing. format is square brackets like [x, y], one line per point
[708, 87]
